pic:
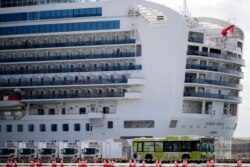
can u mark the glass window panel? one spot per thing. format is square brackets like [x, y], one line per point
[19, 30]
[76, 12]
[99, 25]
[71, 27]
[82, 12]
[58, 28]
[64, 13]
[53, 28]
[36, 29]
[64, 27]
[30, 29]
[76, 27]
[87, 26]
[87, 12]
[53, 14]
[99, 12]
[42, 15]
[82, 26]
[58, 14]
[70, 13]
[93, 26]
[36, 15]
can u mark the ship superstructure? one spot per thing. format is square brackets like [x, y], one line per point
[74, 70]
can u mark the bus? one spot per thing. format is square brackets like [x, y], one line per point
[174, 148]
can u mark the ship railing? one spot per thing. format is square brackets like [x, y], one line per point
[213, 82]
[69, 57]
[211, 95]
[215, 55]
[75, 69]
[68, 44]
[74, 95]
[67, 82]
[216, 69]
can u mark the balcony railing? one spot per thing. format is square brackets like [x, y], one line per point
[215, 55]
[69, 57]
[74, 95]
[27, 45]
[213, 82]
[75, 69]
[67, 82]
[213, 68]
[212, 96]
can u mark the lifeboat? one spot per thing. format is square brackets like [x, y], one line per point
[10, 101]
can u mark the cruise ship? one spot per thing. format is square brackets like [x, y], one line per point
[74, 70]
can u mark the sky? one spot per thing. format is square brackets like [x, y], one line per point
[236, 10]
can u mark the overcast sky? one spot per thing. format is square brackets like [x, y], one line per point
[227, 10]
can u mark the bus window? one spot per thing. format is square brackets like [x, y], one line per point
[196, 146]
[210, 148]
[186, 146]
[158, 146]
[167, 147]
[204, 147]
[176, 146]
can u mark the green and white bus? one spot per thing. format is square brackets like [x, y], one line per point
[192, 148]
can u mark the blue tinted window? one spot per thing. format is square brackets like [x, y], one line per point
[64, 13]
[58, 14]
[53, 14]
[60, 27]
[76, 12]
[87, 12]
[70, 13]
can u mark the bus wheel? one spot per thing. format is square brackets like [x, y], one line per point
[148, 157]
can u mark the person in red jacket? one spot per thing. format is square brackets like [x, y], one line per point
[39, 163]
[15, 163]
[54, 164]
[184, 163]
[61, 164]
[32, 164]
[176, 164]
[239, 163]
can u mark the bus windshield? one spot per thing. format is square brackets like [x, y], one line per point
[89, 151]
[25, 151]
[6, 151]
[69, 151]
[46, 151]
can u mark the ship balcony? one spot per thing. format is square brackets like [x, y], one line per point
[69, 70]
[95, 115]
[216, 56]
[68, 44]
[68, 57]
[133, 95]
[63, 83]
[215, 69]
[214, 82]
[78, 96]
[199, 95]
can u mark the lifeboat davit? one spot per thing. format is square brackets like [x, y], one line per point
[10, 101]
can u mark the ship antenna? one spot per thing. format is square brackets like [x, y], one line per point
[185, 8]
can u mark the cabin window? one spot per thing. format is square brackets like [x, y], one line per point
[65, 127]
[88, 127]
[82, 110]
[110, 124]
[42, 127]
[40, 111]
[173, 124]
[77, 127]
[52, 111]
[19, 128]
[31, 127]
[8, 128]
[53, 127]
